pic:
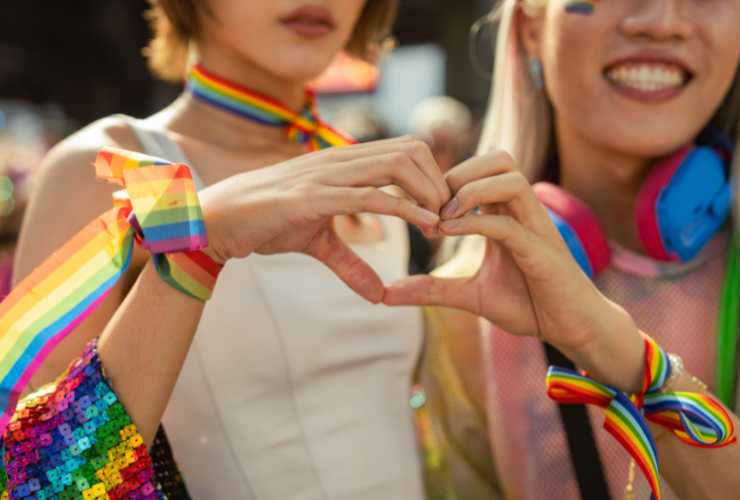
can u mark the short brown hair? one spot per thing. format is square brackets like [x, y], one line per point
[175, 24]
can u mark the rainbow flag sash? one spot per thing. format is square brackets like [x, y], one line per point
[158, 208]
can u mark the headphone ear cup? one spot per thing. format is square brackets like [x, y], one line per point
[578, 226]
[646, 213]
[684, 201]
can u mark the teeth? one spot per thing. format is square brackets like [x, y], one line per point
[647, 77]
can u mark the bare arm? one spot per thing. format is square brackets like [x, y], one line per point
[67, 196]
[698, 473]
[694, 473]
[145, 344]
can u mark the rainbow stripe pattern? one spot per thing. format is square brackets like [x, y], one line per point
[74, 439]
[581, 6]
[696, 419]
[158, 208]
[304, 127]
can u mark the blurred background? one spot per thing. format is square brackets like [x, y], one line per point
[66, 64]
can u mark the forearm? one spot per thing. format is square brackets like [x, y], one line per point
[144, 346]
[616, 357]
[696, 473]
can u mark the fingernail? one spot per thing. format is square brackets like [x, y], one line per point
[429, 218]
[450, 224]
[450, 208]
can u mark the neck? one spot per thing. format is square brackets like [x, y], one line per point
[215, 126]
[291, 93]
[607, 181]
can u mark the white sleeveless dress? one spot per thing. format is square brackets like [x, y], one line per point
[295, 388]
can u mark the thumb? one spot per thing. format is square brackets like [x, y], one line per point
[355, 272]
[425, 290]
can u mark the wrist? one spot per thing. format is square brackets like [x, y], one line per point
[214, 255]
[613, 352]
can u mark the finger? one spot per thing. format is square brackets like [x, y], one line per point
[493, 163]
[418, 182]
[511, 189]
[349, 201]
[417, 150]
[504, 229]
[423, 157]
[394, 168]
[363, 149]
[380, 146]
[426, 290]
[355, 272]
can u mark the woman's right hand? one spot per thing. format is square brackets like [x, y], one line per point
[289, 207]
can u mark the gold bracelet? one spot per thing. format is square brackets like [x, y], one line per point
[677, 369]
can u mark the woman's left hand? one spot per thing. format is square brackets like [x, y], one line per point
[528, 283]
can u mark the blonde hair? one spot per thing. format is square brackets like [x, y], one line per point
[175, 24]
[519, 115]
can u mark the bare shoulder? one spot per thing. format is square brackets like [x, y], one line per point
[73, 157]
[66, 194]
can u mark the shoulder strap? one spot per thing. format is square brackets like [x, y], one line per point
[155, 142]
[580, 437]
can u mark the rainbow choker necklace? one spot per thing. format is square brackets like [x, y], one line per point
[304, 128]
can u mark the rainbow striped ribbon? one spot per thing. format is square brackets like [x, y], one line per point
[304, 128]
[158, 208]
[696, 419]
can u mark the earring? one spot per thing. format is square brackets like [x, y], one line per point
[537, 73]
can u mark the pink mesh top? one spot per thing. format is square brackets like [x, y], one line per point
[675, 303]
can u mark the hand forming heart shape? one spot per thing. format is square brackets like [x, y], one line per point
[526, 272]
[290, 207]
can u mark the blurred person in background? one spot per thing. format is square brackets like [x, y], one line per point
[27, 132]
[361, 123]
[631, 112]
[446, 125]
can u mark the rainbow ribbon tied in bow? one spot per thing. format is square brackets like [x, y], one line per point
[696, 419]
[159, 209]
[304, 127]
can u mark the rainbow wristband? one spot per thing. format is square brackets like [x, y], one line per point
[165, 215]
[696, 419]
[159, 209]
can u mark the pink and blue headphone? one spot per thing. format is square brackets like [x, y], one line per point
[682, 204]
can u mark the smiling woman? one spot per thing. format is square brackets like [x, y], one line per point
[625, 88]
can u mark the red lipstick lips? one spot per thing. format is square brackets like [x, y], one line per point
[309, 21]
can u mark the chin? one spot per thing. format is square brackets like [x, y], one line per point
[299, 65]
[649, 143]
[656, 135]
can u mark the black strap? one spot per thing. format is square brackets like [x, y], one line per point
[580, 435]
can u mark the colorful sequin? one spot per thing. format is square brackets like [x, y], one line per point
[584, 7]
[73, 439]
